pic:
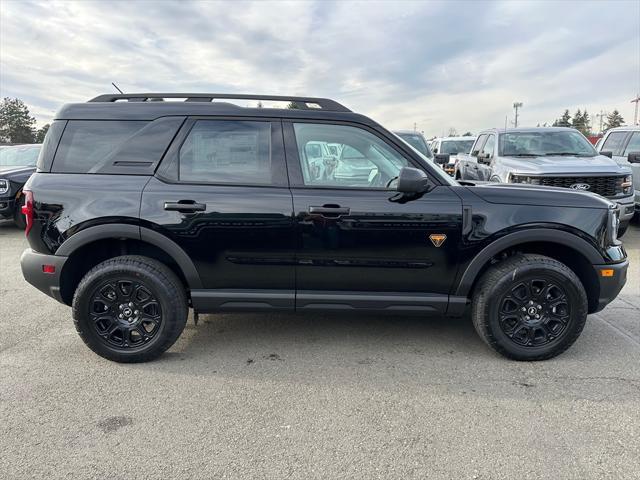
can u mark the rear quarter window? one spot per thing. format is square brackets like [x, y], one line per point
[85, 143]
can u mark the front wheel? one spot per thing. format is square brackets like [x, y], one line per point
[130, 309]
[529, 307]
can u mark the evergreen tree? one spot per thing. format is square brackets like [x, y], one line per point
[614, 119]
[468, 134]
[41, 133]
[585, 124]
[16, 124]
[576, 121]
[564, 120]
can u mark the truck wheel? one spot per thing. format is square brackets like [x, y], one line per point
[622, 228]
[130, 309]
[18, 217]
[529, 307]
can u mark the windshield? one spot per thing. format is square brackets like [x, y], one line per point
[417, 142]
[21, 156]
[453, 147]
[539, 144]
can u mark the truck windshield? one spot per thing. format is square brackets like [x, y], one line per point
[19, 156]
[540, 144]
[453, 147]
[417, 142]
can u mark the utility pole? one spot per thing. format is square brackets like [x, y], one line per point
[516, 106]
[601, 115]
[415, 126]
[635, 113]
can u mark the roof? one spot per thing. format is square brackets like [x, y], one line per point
[628, 128]
[149, 106]
[468, 137]
[528, 129]
[406, 132]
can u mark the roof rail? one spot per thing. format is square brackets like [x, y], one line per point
[298, 103]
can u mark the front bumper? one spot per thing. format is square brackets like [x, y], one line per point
[7, 206]
[626, 207]
[611, 284]
[32, 264]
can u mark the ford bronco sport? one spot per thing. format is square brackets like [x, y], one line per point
[142, 208]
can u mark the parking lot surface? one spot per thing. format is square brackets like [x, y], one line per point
[315, 396]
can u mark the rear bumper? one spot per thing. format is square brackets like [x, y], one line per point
[610, 286]
[32, 269]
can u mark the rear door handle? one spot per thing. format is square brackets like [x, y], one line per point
[330, 210]
[185, 206]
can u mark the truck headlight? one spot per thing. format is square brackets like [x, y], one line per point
[4, 186]
[514, 178]
[627, 184]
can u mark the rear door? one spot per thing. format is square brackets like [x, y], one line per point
[357, 247]
[633, 146]
[222, 194]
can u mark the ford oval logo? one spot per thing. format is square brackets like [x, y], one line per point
[580, 186]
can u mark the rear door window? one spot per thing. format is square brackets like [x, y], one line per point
[227, 152]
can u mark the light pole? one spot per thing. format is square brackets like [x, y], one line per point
[635, 113]
[516, 106]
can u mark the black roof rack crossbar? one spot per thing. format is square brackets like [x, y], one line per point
[299, 103]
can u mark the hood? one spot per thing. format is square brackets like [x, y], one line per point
[563, 165]
[513, 194]
[18, 174]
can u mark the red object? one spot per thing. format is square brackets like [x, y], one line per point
[594, 138]
[27, 210]
[49, 268]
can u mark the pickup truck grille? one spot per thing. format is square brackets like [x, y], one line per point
[605, 186]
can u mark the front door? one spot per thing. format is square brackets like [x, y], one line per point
[357, 247]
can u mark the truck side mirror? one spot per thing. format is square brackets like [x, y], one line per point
[634, 157]
[412, 180]
[442, 158]
[607, 154]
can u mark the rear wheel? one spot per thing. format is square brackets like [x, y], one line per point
[130, 309]
[529, 307]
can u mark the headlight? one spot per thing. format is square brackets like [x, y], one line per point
[627, 184]
[613, 222]
[524, 179]
[4, 186]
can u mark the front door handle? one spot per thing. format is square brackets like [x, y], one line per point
[330, 210]
[185, 206]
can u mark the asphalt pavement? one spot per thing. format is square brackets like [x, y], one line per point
[248, 396]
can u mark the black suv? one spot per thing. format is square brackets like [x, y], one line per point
[142, 208]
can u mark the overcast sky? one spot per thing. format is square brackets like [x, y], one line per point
[440, 65]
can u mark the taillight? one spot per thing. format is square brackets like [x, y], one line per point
[27, 210]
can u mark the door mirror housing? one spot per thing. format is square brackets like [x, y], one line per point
[633, 157]
[442, 158]
[484, 158]
[607, 154]
[412, 181]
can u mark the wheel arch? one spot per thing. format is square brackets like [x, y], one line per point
[93, 245]
[573, 251]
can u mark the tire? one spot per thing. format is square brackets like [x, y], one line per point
[622, 228]
[154, 313]
[558, 298]
[18, 217]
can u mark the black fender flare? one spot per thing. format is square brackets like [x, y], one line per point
[525, 236]
[135, 232]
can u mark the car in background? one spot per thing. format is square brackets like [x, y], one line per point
[17, 163]
[549, 156]
[454, 147]
[416, 140]
[622, 144]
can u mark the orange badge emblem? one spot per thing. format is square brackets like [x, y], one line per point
[437, 239]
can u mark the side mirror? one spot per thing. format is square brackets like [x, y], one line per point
[442, 158]
[434, 150]
[412, 180]
[607, 154]
[484, 158]
[634, 157]
[474, 153]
